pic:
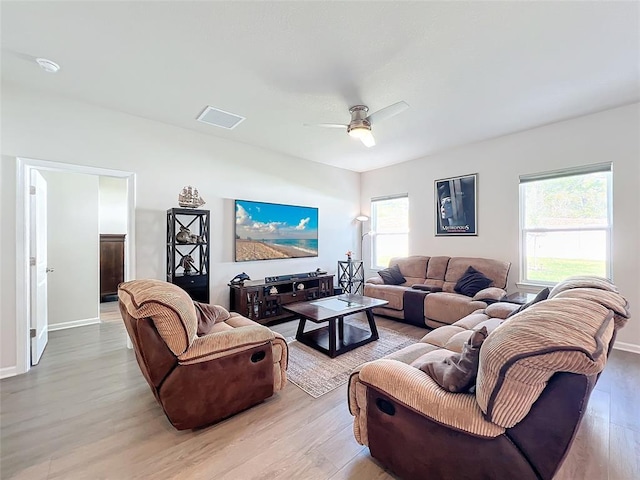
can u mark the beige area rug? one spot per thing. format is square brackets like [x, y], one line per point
[317, 374]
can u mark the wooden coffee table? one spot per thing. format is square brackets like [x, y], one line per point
[330, 340]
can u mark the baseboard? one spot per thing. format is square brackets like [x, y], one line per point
[73, 324]
[6, 372]
[627, 347]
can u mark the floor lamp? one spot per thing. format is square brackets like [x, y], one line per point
[362, 219]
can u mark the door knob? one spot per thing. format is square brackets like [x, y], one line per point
[49, 270]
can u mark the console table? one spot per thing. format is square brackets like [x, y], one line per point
[262, 302]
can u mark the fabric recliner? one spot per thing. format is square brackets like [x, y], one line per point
[536, 372]
[199, 380]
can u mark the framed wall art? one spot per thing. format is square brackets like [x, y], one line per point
[456, 205]
[269, 231]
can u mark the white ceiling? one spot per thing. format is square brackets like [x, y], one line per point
[469, 70]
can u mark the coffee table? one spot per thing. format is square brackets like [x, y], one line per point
[330, 340]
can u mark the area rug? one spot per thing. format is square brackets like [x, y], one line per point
[317, 374]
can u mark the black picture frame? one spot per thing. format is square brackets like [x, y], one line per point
[456, 206]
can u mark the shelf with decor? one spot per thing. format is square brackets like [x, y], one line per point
[188, 251]
[262, 301]
[351, 276]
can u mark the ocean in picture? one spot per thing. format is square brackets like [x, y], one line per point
[309, 245]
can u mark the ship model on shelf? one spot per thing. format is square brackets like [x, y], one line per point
[190, 198]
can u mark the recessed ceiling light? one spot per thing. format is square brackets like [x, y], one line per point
[48, 65]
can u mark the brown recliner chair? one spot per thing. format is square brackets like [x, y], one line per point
[536, 372]
[199, 380]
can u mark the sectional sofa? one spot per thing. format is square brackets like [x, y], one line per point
[435, 309]
[536, 371]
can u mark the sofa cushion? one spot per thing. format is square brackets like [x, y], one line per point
[472, 282]
[583, 281]
[392, 275]
[394, 294]
[542, 295]
[457, 372]
[496, 270]
[520, 356]
[169, 307]
[445, 307]
[414, 266]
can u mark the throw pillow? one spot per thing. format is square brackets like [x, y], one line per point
[458, 372]
[208, 315]
[392, 275]
[472, 282]
[542, 295]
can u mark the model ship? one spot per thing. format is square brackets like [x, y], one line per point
[190, 198]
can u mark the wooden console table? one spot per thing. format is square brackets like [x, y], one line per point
[263, 302]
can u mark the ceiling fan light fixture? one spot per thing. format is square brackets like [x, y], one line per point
[359, 131]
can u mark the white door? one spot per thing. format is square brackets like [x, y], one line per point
[39, 270]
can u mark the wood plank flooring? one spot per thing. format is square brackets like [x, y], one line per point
[86, 413]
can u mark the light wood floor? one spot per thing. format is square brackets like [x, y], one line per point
[86, 413]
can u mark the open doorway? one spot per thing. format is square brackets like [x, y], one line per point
[74, 236]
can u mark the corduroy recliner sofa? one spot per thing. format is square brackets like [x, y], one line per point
[199, 380]
[439, 308]
[536, 372]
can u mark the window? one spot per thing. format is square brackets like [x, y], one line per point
[390, 225]
[565, 220]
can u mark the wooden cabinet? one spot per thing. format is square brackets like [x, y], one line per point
[111, 264]
[188, 251]
[262, 301]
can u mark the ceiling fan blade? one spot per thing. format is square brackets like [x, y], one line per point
[325, 125]
[368, 140]
[388, 112]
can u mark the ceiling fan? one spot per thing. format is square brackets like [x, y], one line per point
[360, 124]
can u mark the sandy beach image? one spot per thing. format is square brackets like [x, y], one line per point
[254, 250]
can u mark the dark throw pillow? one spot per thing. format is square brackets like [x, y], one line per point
[392, 275]
[542, 295]
[458, 372]
[472, 282]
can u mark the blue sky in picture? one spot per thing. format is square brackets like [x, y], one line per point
[271, 221]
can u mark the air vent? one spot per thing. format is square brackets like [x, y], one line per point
[220, 118]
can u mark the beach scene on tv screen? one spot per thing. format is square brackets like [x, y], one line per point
[268, 231]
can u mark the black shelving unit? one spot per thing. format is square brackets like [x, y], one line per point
[195, 282]
[351, 276]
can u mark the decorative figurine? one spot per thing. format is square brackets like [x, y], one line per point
[349, 253]
[187, 263]
[239, 279]
[184, 235]
[190, 198]
[273, 290]
[300, 286]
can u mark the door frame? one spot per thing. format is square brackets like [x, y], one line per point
[23, 236]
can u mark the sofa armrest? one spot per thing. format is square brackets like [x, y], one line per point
[501, 309]
[219, 344]
[377, 280]
[493, 294]
[417, 390]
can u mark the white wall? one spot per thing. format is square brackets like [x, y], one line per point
[612, 135]
[113, 205]
[73, 288]
[166, 158]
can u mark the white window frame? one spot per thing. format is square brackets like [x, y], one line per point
[374, 228]
[608, 229]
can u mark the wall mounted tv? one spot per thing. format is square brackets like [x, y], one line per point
[269, 231]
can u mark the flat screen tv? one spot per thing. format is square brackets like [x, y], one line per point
[270, 231]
